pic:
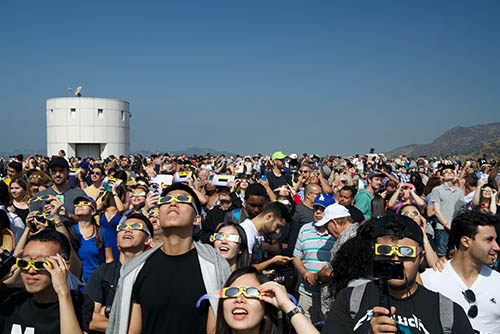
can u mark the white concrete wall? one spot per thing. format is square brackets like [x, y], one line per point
[85, 125]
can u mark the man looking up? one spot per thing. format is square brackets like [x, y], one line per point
[414, 309]
[467, 279]
[363, 199]
[133, 236]
[59, 172]
[275, 177]
[149, 284]
[47, 305]
[448, 200]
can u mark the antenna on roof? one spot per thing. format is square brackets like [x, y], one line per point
[78, 90]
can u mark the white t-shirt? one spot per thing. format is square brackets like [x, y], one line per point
[486, 288]
[251, 232]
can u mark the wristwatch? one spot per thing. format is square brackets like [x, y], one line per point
[296, 310]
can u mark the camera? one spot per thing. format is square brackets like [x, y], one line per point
[8, 260]
[387, 269]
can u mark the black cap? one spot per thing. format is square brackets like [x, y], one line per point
[399, 226]
[59, 161]
[374, 173]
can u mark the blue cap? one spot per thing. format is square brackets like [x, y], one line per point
[86, 198]
[324, 200]
[85, 165]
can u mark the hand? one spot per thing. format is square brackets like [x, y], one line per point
[310, 278]
[324, 274]
[383, 194]
[281, 260]
[439, 266]
[381, 322]
[276, 295]
[59, 273]
[151, 201]
[447, 225]
[56, 206]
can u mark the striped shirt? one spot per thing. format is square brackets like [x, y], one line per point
[313, 248]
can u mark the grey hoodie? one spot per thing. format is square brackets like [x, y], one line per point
[214, 269]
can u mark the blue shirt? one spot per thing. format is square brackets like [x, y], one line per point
[91, 256]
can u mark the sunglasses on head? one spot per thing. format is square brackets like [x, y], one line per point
[223, 236]
[137, 194]
[234, 292]
[411, 213]
[402, 251]
[27, 264]
[470, 297]
[40, 215]
[133, 226]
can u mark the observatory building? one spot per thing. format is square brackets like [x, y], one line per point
[88, 126]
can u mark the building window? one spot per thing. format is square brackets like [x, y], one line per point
[123, 116]
[100, 113]
[73, 113]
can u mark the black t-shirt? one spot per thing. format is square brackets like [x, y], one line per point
[356, 214]
[20, 312]
[167, 288]
[417, 314]
[275, 181]
[101, 285]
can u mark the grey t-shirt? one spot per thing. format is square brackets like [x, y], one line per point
[303, 214]
[451, 201]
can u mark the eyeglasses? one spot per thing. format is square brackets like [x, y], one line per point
[83, 203]
[234, 292]
[133, 226]
[315, 174]
[27, 264]
[486, 189]
[137, 194]
[470, 297]
[411, 213]
[303, 171]
[39, 198]
[35, 177]
[153, 213]
[40, 215]
[179, 199]
[95, 173]
[402, 251]
[448, 170]
[224, 236]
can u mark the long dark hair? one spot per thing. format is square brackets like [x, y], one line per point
[378, 206]
[269, 324]
[353, 259]
[243, 259]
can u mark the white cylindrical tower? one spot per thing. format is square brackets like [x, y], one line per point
[88, 126]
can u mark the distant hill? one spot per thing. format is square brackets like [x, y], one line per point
[471, 141]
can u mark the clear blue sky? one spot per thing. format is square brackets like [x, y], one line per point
[255, 76]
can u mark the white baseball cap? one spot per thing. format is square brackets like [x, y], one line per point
[333, 211]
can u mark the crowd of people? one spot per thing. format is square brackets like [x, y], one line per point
[249, 244]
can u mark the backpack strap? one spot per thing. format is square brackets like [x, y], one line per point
[107, 284]
[446, 313]
[355, 300]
